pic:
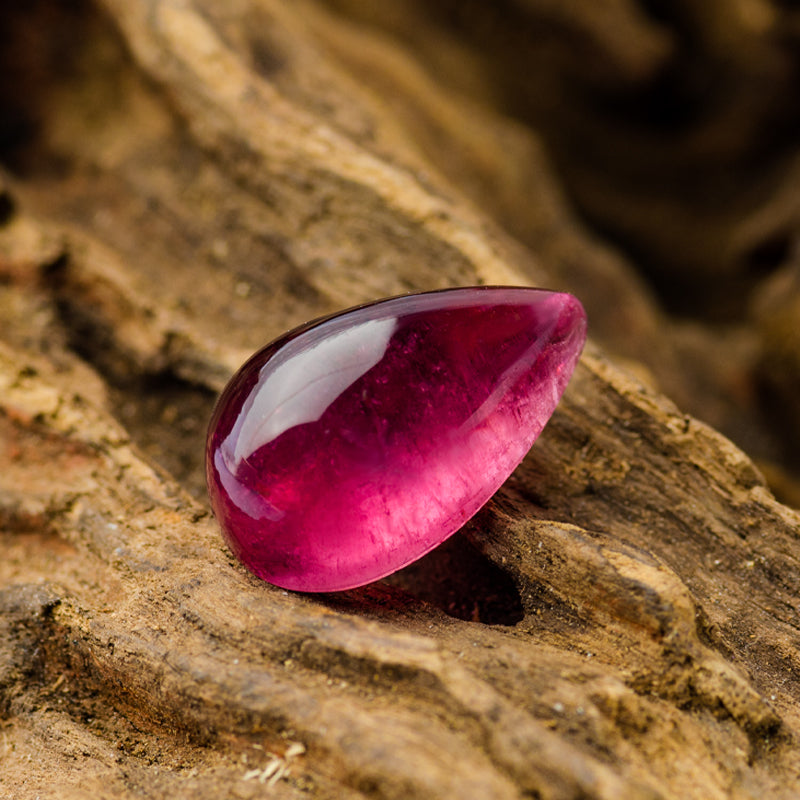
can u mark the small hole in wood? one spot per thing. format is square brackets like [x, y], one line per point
[7, 208]
[770, 254]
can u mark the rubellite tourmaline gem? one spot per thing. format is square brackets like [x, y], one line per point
[355, 444]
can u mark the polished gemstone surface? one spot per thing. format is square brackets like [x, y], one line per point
[351, 446]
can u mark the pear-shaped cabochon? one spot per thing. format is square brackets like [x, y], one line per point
[352, 446]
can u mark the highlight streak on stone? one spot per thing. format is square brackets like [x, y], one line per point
[352, 446]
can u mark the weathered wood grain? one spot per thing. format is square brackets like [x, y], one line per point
[620, 621]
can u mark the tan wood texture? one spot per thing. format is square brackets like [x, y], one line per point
[183, 180]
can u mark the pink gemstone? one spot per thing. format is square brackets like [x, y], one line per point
[355, 444]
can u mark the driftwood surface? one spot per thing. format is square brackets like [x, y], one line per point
[183, 180]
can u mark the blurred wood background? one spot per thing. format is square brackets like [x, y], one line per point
[183, 180]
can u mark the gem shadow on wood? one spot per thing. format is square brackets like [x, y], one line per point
[462, 582]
